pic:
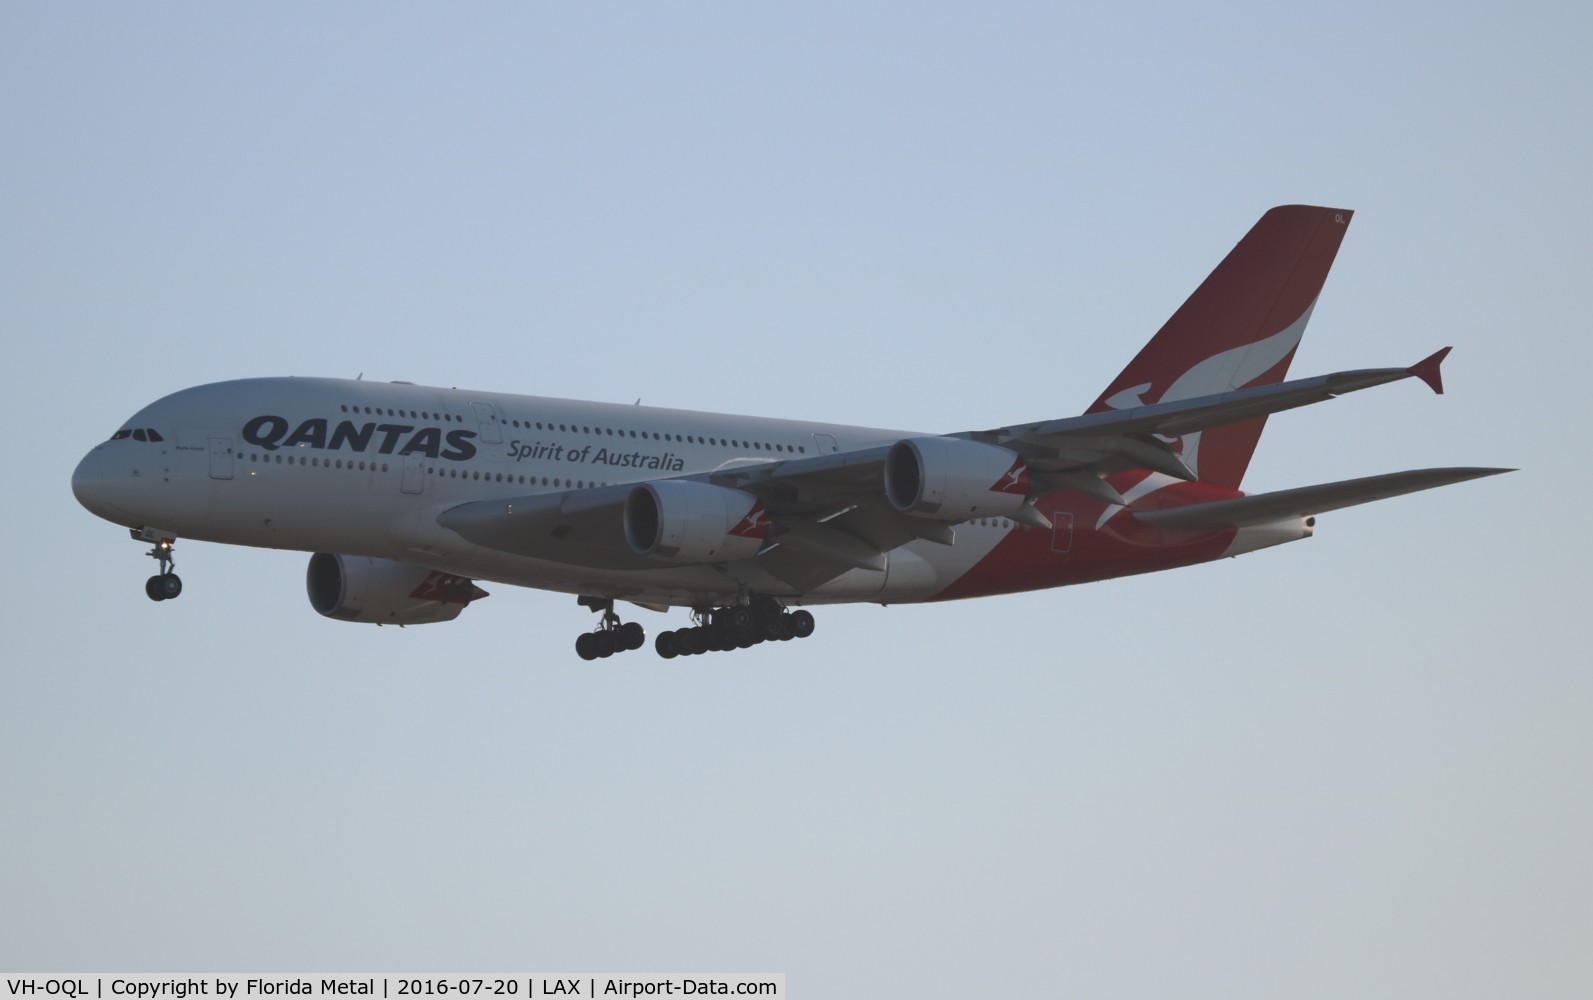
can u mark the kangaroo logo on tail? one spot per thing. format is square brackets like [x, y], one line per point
[1223, 372]
[1240, 328]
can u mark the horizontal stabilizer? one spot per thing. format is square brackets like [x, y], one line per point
[1307, 500]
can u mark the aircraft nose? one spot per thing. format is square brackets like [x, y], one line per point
[95, 486]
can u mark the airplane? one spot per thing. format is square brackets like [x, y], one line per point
[407, 495]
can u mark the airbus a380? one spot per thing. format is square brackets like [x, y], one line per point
[408, 495]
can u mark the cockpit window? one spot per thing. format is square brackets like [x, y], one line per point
[137, 434]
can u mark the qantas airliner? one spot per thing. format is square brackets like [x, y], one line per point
[408, 495]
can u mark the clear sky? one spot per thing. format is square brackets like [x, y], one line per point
[1355, 766]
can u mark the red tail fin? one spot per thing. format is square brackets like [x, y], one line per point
[1240, 328]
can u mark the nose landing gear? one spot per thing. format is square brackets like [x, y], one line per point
[164, 585]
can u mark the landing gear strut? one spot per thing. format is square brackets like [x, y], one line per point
[164, 585]
[739, 626]
[611, 636]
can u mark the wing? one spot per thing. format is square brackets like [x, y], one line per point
[823, 515]
[1072, 451]
[576, 527]
[1069, 453]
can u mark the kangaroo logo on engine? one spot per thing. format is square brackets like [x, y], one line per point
[271, 432]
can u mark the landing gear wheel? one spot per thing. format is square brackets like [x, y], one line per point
[692, 641]
[801, 624]
[631, 635]
[721, 639]
[586, 646]
[666, 645]
[163, 587]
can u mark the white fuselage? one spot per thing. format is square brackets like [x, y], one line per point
[364, 468]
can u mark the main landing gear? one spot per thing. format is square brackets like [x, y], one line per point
[739, 626]
[164, 585]
[611, 636]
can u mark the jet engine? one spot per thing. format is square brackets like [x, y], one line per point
[952, 479]
[362, 589]
[691, 523]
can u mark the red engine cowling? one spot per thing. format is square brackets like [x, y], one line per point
[691, 523]
[951, 479]
[362, 589]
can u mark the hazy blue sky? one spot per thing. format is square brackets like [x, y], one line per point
[1356, 766]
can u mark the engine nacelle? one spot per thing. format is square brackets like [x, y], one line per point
[362, 589]
[952, 479]
[691, 523]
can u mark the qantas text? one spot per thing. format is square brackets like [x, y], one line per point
[271, 432]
